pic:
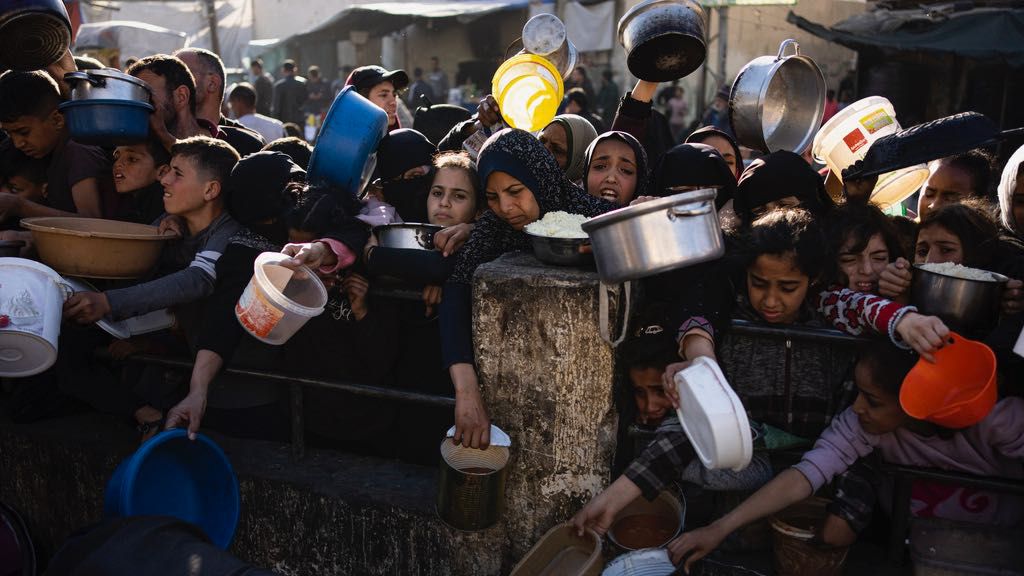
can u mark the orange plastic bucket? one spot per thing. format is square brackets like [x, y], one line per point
[958, 390]
[529, 90]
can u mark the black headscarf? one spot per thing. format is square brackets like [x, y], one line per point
[257, 191]
[520, 155]
[400, 151]
[436, 121]
[776, 176]
[642, 168]
[701, 135]
[693, 165]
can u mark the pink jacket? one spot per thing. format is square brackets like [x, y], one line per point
[992, 447]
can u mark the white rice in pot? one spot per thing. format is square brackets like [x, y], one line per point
[558, 225]
[958, 271]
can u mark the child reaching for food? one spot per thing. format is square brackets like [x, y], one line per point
[877, 423]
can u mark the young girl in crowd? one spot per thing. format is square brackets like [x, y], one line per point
[877, 423]
[1011, 197]
[954, 179]
[724, 143]
[616, 168]
[784, 260]
[522, 182]
[864, 242]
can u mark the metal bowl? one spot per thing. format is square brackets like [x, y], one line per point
[409, 236]
[964, 305]
[560, 251]
[107, 84]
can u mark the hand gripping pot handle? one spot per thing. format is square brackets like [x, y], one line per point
[782, 48]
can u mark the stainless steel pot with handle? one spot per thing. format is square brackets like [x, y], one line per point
[777, 102]
[408, 236]
[656, 236]
[107, 84]
[544, 35]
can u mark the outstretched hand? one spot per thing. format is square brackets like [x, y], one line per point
[188, 412]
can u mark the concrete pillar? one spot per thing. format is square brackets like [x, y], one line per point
[547, 379]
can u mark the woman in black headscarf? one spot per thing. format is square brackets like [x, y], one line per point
[522, 182]
[615, 168]
[693, 165]
[780, 179]
[404, 164]
[724, 143]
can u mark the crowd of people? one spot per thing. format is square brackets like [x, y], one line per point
[233, 188]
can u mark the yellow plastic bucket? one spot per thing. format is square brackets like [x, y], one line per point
[529, 90]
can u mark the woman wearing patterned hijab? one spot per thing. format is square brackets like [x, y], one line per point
[616, 168]
[522, 182]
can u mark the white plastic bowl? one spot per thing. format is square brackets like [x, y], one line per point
[713, 416]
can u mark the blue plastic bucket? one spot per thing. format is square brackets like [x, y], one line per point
[345, 153]
[106, 122]
[171, 475]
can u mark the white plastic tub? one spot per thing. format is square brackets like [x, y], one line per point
[713, 416]
[278, 300]
[846, 137]
[31, 303]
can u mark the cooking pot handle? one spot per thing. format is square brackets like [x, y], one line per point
[787, 42]
[674, 212]
[78, 76]
[602, 306]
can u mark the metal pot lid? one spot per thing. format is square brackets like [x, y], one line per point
[628, 212]
[107, 73]
[643, 6]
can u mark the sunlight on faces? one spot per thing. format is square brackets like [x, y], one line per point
[185, 186]
[384, 96]
[651, 402]
[134, 168]
[35, 137]
[1017, 204]
[612, 175]
[777, 288]
[786, 202]
[936, 244]
[877, 410]
[511, 200]
[554, 138]
[451, 200]
[945, 185]
[863, 269]
[161, 99]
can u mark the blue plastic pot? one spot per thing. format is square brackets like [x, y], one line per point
[171, 475]
[107, 122]
[345, 153]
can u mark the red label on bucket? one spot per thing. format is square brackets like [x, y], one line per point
[855, 140]
[256, 314]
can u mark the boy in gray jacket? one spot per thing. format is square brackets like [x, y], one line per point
[193, 192]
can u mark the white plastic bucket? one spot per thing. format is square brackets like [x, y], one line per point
[31, 303]
[278, 301]
[713, 417]
[846, 137]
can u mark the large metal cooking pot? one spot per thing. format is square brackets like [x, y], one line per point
[107, 84]
[968, 306]
[345, 154]
[664, 39]
[409, 236]
[656, 236]
[33, 33]
[777, 102]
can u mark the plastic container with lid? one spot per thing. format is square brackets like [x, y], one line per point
[278, 300]
[564, 553]
[31, 304]
[713, 416]
[846, 137]
[529, 90]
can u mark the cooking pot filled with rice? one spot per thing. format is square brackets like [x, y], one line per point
[967, 299]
